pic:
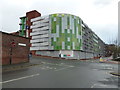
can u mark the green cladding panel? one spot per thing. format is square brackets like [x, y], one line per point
[65, 32]
[23, 26]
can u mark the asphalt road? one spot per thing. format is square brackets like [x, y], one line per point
[62, 74]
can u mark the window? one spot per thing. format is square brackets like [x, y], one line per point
[68, 30]
[54, 19]
[20, 27]
[54, 38]
[68, 39]
[68, 47]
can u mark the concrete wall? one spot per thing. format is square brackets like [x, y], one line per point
[82, 55]
[77, 54]
[48, 53]
[18, 54]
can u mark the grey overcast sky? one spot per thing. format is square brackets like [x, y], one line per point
[100, 15]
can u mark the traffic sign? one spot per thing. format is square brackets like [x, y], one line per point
[13, 44]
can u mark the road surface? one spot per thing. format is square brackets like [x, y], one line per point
[63, 74]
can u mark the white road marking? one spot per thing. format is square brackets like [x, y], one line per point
[47, 67]
[105, 80]
[93, 85]
[62, 69]
[71, 66]
[61, 64]
[109, 68]
[43, 62]
[103, 85]
[95, 69]
[19, 78]
[50, 68]
[42, 68]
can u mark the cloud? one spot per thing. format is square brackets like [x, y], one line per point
[106, 32]
[10, 15]
[100, 15]
[102, 2]
[102, 20]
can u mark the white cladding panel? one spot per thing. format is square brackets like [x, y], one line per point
[39, 26]
[40, 36]
[40, 29]
[34, 48]
[40, 44]
[39, 18]
[38, 48]
[39, 32]
[40, 22]
[39, 40]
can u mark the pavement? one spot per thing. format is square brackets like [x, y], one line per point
[59, 73]
[110, 61]
[13, 67]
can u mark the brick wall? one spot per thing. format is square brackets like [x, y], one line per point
[30, 15]
[18, 54]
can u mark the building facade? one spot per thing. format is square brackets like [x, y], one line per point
[14, 49]
[57, 32]
[25, 23]
[66, 35]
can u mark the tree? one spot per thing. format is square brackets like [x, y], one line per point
[114, 49]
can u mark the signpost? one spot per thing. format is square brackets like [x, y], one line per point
[12, 44]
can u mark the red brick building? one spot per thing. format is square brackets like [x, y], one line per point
[15, 49]
[25, 23]
[29, 16]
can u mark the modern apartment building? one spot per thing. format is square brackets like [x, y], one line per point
[64, 35]
[25, 23]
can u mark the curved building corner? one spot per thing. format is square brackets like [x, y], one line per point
[64, 35]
